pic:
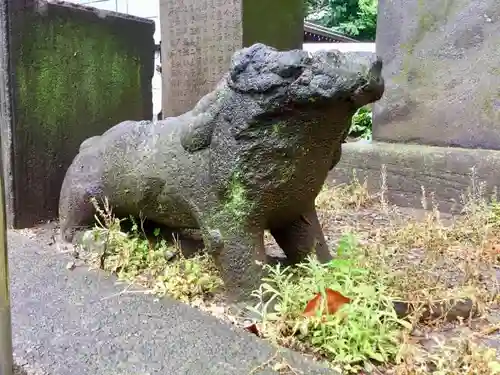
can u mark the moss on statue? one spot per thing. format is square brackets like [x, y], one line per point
[71, 73]
[234, 210]
[288, 171]
[237, 204]
[489, 106]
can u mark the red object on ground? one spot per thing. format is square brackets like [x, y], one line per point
[334, 301]
[252, 328]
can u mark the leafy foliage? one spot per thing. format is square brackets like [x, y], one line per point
[153, 263]
[355, 18]
[365, 329]
[361, 126]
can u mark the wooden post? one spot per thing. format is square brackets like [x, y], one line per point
[6, 362]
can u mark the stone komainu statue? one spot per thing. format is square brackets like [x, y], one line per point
[251, 155]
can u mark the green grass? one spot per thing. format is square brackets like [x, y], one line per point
[151, 262]
[366, 329]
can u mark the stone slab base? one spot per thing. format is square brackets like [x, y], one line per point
[447, 172]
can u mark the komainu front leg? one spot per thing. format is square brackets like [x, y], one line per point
[240, 261]
[300, 237]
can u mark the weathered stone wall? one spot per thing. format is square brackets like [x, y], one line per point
[74, 73]
[442, 79]
[199, 38]
[442, 70]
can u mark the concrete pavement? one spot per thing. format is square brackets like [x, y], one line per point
[75, 322]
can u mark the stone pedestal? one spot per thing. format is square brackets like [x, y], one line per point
[438, 123]
[442, 71]
[66, 73]
[402, 170]
[200, 36]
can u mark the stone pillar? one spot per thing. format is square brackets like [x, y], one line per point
[67, 72]
[442, 70]
[200, 36]
[438, 123]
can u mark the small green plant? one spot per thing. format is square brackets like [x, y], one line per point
[188, 279]
[361, 125]
[366, 329]
[150, 262]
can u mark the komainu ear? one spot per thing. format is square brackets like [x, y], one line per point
[198, 134]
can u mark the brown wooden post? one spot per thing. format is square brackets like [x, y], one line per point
[6, 361]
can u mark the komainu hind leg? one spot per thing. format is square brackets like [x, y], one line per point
[76, 211]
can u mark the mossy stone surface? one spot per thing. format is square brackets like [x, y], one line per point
[440, 67]
[76, 74]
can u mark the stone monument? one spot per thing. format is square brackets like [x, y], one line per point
[442, 68]
[66, 72]
[199, 37]
[251, 155]
[438, 123]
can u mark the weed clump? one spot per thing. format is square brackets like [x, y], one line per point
[366, 329]
[150, 262]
